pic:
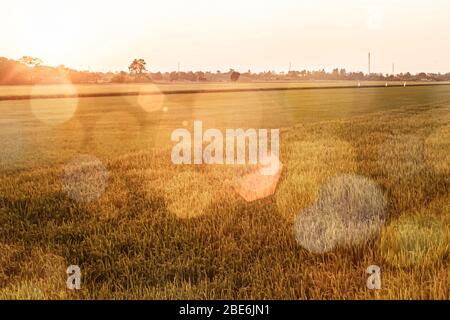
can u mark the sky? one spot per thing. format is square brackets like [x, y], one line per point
[210, 35]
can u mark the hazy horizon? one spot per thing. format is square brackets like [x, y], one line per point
[218, 35]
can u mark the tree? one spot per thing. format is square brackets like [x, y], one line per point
[137, 66]
[200, 76]
[335, 74]
[190, 76]
[234, 76]
[157, 76]
[174, 76]
[30, 62]
[120, 78]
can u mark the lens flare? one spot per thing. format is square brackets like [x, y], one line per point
[349, 210]
[308, 164]
[262, 181]
[150, 98]
[55, 111]
[85, 178]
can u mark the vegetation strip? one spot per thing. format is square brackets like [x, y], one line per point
[197, 91]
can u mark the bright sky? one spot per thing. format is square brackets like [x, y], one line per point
[242, 34]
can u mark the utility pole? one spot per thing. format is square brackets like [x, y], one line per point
[369, 63]
[393, 68]
[289, 67]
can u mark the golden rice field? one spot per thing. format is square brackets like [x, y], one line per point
[89, 181]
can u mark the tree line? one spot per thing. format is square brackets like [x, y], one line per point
[31, 70]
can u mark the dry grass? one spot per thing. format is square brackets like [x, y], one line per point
[159, 231]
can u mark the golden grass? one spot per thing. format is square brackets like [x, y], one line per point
[160, 231]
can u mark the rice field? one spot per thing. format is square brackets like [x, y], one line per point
[89, 181]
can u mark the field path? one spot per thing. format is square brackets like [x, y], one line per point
[345, 85]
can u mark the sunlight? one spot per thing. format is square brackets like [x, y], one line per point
[55, 33]
[106, 34]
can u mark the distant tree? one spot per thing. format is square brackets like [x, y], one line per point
[200, 75]
[120, 78]
[422, 76]
[137, 66]
[13, 72]
[174, 76]
[335, 74]
[157, 76]
[30, 62]
[234, 76]
[190, 76]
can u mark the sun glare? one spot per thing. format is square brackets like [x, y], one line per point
[104, 34]
[54, 32]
